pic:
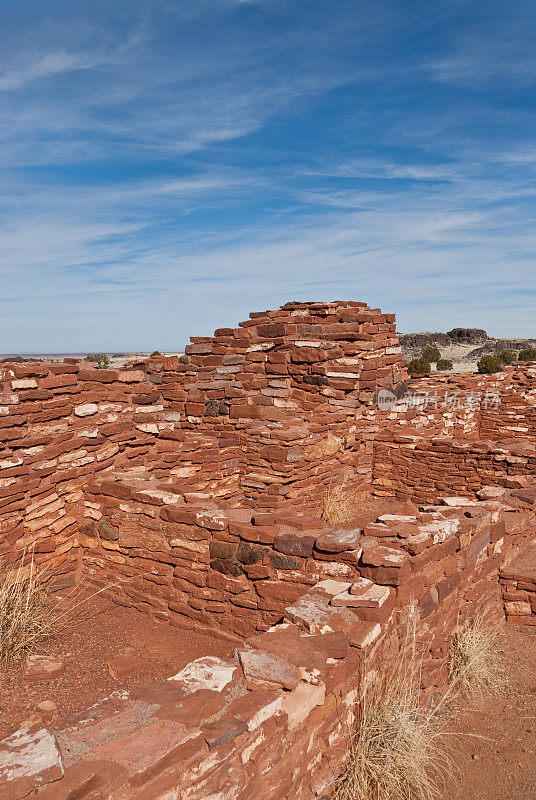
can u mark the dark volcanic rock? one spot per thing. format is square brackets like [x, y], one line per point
[455, 336]
[422, 340]
[467, 336]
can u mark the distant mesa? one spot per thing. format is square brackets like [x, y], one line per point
[474, 336]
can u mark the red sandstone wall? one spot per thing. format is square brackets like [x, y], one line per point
[467, 406]
[422, 469]
[457, 434]
[195, 563]
[269, 414]
[289, 388]
[275, 719]
[266, 414]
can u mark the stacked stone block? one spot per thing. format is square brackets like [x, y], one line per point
[274, 718]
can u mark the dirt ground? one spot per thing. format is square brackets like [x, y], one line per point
[99, 631]
[497, 761]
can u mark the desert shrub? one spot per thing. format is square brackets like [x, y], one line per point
[507, 356]
[419, 366]
[101, 360]
[431, 354]
[27, 615]
[337, 506]
[399, 749]
[529, 354]
[489, 364]
[156, 353]
[444, 364]
[474, 662]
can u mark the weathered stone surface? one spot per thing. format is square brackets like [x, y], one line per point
[107, 531]
[222, 731]
[145, 748]
[86, 410]
[283, 562]
[125, 664]
[518, 608]
[366, 597]
[311, 612]
[40, 667]
[29, 759]
[207, 672]
[261, 667]
[338, 541]
[363, 633]
[294, 544]
[299, 703]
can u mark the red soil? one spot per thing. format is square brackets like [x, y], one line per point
[99, 631]
[498, 761]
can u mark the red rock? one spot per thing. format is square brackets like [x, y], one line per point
[42, 668]
[264, 668]
[298, 704]
[338, 541]
[125, 664]
[29, 759]
[222, 731]
[294, 544]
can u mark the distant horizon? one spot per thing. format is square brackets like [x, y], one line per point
[168, 167]
[163, 349]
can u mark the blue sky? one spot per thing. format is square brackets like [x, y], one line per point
[167, 167]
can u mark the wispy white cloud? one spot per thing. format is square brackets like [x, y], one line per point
[46, 66]
[203, 160]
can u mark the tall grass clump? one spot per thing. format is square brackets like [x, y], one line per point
[398, 749]
[474, 662]
[27, 614]
[337, 506]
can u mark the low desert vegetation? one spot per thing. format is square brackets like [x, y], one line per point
[489, 364]
[507, 356]
[529, 354]
[423, 364]
[399, 749]
[28, 616]
[431, 354]
[475, 664]
[337, 506]
[30, 613]
[419, 366]
[100, 360]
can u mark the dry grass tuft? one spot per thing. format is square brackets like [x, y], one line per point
[474, 662]
[399, 750]
[27, 614]
[337, 506]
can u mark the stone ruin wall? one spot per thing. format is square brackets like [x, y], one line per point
[193, 484]
[460, 432]
[275, 718]
[266, 415]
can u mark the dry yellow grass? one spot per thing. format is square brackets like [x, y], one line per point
[337, 506]
[399, 750]
[475, 663]
[27, 614]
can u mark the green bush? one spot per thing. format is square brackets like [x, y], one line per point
[431, 354]
[527, 355]
[101, 360]
[507, 356]
[444, 364]
[156, 353]
[489, 364]
[419, 366]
